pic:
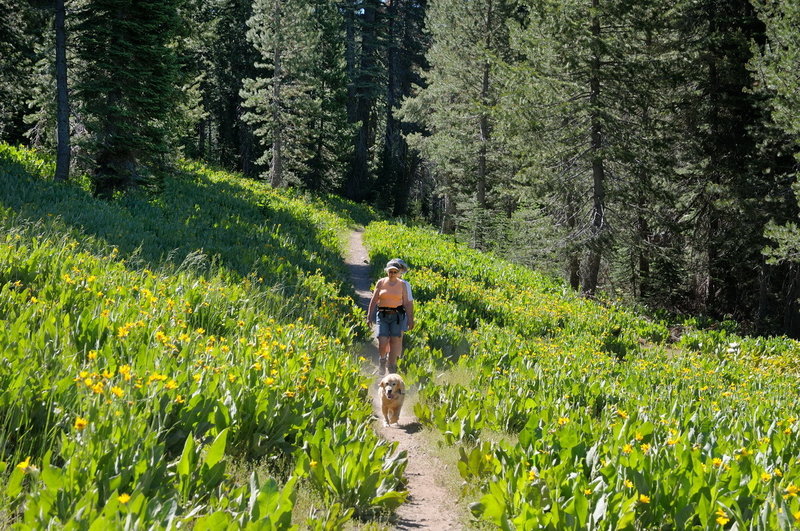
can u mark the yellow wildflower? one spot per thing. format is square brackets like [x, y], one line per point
[124, 498]
[26, 464]
[627, 449]
[644, 499]
[80, 423]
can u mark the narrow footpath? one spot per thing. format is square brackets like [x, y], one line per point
[429, 505]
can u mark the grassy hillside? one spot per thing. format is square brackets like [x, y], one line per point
[160, 349]
[573, 414]
[185, 358]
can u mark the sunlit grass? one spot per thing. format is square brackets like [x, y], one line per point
[574, 414]
[172, 358]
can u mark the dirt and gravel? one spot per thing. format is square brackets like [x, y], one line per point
[430, 505]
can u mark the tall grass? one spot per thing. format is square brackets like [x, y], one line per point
[151, 339]
[604, 425]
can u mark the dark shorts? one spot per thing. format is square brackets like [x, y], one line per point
[391, 324]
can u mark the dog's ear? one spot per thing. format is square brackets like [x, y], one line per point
[382, 384]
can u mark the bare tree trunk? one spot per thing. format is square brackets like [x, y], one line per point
[598, 171]
[350, 58]
[395, 163]
[449, 217]
[62, 96]
[276, 168]
[484, 118]
[201, 138]
[357, 184]
[573, 259]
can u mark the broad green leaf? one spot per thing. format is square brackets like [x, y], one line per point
[186, 462]
[217, 449]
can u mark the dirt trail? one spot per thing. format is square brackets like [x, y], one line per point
[429, 505]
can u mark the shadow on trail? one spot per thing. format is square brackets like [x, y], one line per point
[412, 427]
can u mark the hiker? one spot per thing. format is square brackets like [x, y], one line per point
[392, 308]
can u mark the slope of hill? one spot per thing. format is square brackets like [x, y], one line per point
[185, 358]
[153, 342]
[572, 414]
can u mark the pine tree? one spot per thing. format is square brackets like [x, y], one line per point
[62, 95]
[734, 177]
[456, 108]
[21, 29]
[405, 53]
[286, 103]
[776, 66]
[128, 86]
[364, 24]
[331, 142]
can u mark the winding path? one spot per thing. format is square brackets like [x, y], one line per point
[429, 505]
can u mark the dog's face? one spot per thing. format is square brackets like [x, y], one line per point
[392, 386]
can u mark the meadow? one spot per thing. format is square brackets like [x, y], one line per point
[576, 414]
[181, 358]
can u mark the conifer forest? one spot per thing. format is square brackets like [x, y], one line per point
[645, 149]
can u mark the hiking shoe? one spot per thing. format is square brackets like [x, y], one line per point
[382, 367]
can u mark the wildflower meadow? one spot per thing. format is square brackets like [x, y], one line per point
[577, 414]
[181, 359]
[184, 356]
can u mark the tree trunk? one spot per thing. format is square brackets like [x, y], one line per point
[449, 216]
[62, 96]
[598, 171]
[395, 149]
[201, 138]
[276, 167]
[483, 123]
[350, 58]
[573, 259]
[357, 186]
[247, 143]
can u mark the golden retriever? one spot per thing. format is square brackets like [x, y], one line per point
[393, 391]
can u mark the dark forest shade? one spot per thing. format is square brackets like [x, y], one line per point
[62, 95]
[646, 147]
[129, 86]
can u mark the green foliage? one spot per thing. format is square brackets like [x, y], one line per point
[346, 467]
[601, 424]
[21, 26]
[776, 66]
[295, 104]
[154, 367]
[127, 87]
